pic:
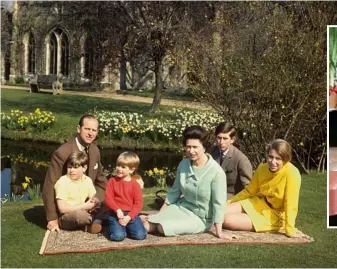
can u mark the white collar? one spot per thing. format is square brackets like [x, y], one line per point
[224, 153]
[79, 145]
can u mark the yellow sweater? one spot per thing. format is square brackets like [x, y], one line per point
[281, 190]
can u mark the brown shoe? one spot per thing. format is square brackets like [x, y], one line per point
[93, 228]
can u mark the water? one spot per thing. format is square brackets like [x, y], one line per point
[40, 153]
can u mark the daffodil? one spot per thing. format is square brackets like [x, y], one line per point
[28, 179]
[24, 185]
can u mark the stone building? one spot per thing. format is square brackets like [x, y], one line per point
[41, 39]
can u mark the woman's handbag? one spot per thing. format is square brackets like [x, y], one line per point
[159, 200]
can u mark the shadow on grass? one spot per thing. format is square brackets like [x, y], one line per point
[36, 215]
[153, 206]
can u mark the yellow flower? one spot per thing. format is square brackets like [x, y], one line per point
[24, 185]
[28, 179]
[161, 172]
[155, 170]
[150, 172]
[37, 111]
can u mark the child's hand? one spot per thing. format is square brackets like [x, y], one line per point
[124, 221]
[120, 214]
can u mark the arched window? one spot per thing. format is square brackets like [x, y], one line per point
[57, 52]
[88, 57]
[64, 55]
[53, 54]
[31, 54]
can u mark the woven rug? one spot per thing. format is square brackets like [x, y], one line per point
[79, 241]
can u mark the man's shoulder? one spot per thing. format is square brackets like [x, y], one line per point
[66, 147]
[236, 153]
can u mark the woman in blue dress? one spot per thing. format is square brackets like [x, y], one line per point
[197, 199]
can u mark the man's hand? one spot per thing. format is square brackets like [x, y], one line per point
[124, 221]
[89, 205]
[53, 225]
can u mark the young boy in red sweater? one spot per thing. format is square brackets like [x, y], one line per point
[124, 198]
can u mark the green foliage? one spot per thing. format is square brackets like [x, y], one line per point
[19, 80]
[15, 120]
[119, 125]
[33, 190]
[69, 108]
[268, 79]
[332, 56]
[160, 176]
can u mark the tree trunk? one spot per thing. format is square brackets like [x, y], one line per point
[158, 71]
[122, 83]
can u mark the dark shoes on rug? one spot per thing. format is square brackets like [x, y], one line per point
[93, 228]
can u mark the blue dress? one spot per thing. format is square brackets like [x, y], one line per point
[203, 203]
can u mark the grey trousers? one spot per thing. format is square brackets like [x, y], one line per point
[75, 219]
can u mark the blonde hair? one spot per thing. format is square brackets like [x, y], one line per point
[128, 159]
[282, 148]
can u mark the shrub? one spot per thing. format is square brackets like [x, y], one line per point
[19, 80]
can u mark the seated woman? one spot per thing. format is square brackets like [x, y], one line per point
[236, 165]
[198, 196]
[270, 201]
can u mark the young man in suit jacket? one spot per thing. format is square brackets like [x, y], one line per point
[87, 131]
[236, 165]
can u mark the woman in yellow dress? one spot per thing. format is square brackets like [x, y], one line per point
[270, 201]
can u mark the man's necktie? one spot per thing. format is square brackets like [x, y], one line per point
[86, 149]
[221, 158]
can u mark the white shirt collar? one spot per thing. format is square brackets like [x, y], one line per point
[80, 147]
[224, 153]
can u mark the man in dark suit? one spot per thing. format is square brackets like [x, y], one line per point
[236, 165]
[86, 133]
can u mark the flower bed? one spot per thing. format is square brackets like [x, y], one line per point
[16, 120]
[118, 125]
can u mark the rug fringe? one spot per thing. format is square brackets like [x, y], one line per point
[44, 242]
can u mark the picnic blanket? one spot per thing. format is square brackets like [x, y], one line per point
[79, 241]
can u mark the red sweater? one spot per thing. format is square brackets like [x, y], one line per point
[124, 195]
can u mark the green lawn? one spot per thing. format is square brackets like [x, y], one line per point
[23, 230]
[68, 109]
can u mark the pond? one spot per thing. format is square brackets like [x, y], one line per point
[25, 158]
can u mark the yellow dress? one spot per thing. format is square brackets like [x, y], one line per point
[271, 199]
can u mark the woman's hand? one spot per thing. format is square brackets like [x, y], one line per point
[227, 236]
[221, 235]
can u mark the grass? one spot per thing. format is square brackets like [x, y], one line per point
[23, 228]
[68, 109]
